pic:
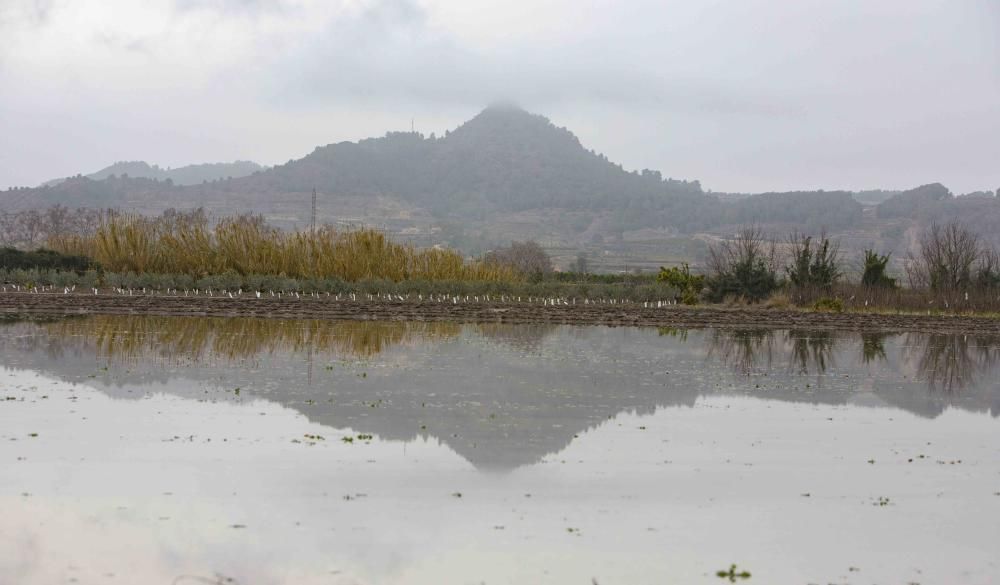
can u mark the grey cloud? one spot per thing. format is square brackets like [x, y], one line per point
[230, 7]
[390, 53]
[751, 95]
[17, 15]
[31, 13]
[119, 42]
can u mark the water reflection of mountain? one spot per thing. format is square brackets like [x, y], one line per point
[499, 395]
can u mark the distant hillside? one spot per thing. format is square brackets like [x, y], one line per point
[509, 174]
[874, 196]
[869, 197]
[186, 175]
[935, 203]
[504, 160]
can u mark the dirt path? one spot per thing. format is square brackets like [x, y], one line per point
[478, 312]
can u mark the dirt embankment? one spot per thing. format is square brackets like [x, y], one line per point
[306, 307]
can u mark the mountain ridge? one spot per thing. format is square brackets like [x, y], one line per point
[510, 174]
[184, 175]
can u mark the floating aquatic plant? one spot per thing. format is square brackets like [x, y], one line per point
[733, 574]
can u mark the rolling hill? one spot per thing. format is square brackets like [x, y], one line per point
[507, 174]
[186, 175]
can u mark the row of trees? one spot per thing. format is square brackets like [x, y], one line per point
[751, 266]
[949, 258]
[33, 227]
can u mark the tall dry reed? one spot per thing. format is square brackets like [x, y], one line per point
[125, 242]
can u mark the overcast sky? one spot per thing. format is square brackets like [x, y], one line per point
[744, 95]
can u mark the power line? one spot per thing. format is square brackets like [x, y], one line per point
[312, 217]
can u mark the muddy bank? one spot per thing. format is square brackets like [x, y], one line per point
[478, 312]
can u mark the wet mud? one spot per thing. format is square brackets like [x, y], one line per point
[628, 314]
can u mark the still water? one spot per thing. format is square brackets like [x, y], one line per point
[239, 451]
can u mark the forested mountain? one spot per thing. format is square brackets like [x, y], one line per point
[186, 175]
[908, 203]
[504, 174]
[874, 196]
[504, 160]
[935, 203]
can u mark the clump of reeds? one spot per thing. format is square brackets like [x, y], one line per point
[125, 243]
[129, 338]
[778, 300]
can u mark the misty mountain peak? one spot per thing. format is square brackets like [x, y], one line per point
[508, 126]
[505, 105]
[507, 113]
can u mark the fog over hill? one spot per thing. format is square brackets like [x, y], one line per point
[186, 175]
[508, 174]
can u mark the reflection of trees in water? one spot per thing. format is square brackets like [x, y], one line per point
[749, 350]
[14, 318]
[127, 338]
[744, 349]
[20, 330]
[947, 362]
[675, 332]
[873, 347]
[527, 337]
[953, 362]
[811, 351]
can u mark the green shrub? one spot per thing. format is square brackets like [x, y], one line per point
[752, 282]
[114, 279]
[688, 286]
[64, 279]
[12, 258]
[45, 277]
[813, 268]
[689, 297]
[742, 267]
[874, 274]
[829, 305]
[151, 281]
[184, 281]
[229, 280]
[130, 280]
[90, 279]
[205, 283]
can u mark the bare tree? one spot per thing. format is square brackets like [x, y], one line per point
[33, 227]
[988, 268]
[7, 229]
[525, 257]
[581, 265]
[57, 220]
[946, 258]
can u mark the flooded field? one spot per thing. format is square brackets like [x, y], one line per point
[184, 450]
